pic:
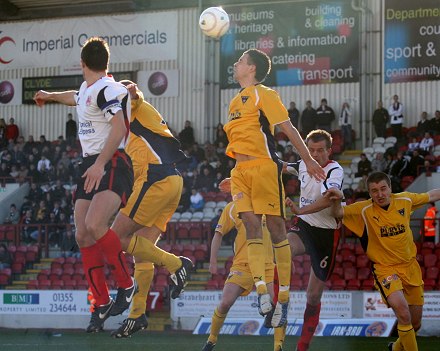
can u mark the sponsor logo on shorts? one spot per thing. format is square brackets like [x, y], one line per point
[237, 196]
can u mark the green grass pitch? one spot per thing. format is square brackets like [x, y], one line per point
[33, 340]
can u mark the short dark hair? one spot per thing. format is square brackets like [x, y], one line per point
[95, 54]
[377, 177]
[318, 135]
[261, 62]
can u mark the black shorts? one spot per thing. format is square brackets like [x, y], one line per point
[321, 244]
[118, 177]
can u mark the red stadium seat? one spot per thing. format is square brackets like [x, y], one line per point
[429, 260]
[196, 232]
[212, 285]
[338, 284]
[32, 285]
[17, 267]
[367, 285]
[350, 273]
[5, 276]
[57, 284]
[201, 253]
[353, 284]
[69, 284]
[188, 250]
[177, 249]
[363, 273]
[362, 261]
[431, 273]
[338, 271]
[32, 253]
[429, 284]
[44, 284]
[358, 250]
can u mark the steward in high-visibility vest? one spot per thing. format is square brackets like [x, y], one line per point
[430, 221]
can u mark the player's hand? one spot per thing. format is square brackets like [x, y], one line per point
[315, 170]
[41, 97]
[213, 267]
[293, 206]
[333, 194]
[132, 89]
[93, 176]
[225, 185]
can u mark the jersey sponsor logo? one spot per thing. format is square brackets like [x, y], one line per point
[386, 231]
[376, 218]
[334, 185]
[402, 211]
[86, 128]
[306, 201]
[237, 196]
[88, 101]
[234, 115]
[244, 99]
[386, 282]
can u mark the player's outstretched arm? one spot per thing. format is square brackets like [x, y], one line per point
[64, 97]
[335, 196]
[313, 167]
[434, 195]
[215, 246]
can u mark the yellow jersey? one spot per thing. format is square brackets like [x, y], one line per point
[229, 220]
[385, 233]
[150, 140]
[253, 114]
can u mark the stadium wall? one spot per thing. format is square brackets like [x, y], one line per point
[194, 55]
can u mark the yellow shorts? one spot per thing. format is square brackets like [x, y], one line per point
[257, 186]
[241, 275]
[153, 202]
[405, 277]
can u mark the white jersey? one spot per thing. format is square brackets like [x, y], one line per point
[96, 105]
[312, 190]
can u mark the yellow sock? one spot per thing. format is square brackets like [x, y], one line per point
[397, 345]
[143, 273]
[407, 337]
[217, 322]
[257, 263]
[283, 258]
[278, 337]
[147, 251]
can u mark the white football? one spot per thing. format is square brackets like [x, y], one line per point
[214, 22]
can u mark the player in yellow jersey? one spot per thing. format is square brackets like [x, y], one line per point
[154, 153]
[383, 225]
[240, 281]
[256, 183]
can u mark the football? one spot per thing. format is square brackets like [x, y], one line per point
[214, 22]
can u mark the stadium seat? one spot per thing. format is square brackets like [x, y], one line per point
[32, 285]
[182, 230]
[358, 249]
[5, 276]
[32, 253]
[57, 263]
[44, 274]
[44, 284]
[188, 250]
[69, 284]
[363, 273]
[296, 284]
[431, 273]
[339, 271]
[55, 274]
[177, 249]
[362, 261]
[429, 260]
[353, 284]
[367, 284]
[210, 204]
[429, 284]
[201, 253]
[71, 260]
[196, 232]
[57, 284]
[17, 266]
[338, 284]
[350, 273]
[349, 258]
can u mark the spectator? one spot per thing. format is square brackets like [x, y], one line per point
[308, 118]
[324, 116]
[214, 220]
[12, 131]
[27, 227]
[345, 121]
[417, 161]
[413, 145]
[186, 136]
[210, 152]
[197, 201]
[18, 156]
[3, 138]
[184, 202]
[427, 144]
[364, 166]
[380, 119]
[396, 117]
[379, 163]
[430, 222]
[71, 130]
[29, 145]
[293, 114]
[205, 180]
[14, 216]
[400, 168]
[5, 257]
[427, 168]
[361, 191]
[424, 124]
[69, 247]
[4, 171]
[434, 124]
[43, 143]
[197, 152]
[220, 135]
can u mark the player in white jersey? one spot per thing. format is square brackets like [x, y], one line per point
[107, 177]
[317, 233]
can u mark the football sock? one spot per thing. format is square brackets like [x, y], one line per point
[143, 273]
[407, 337]
[217, 322]
[257, 263]
[146, 251]
[112, 250]
[283, 259]
[278, 337]
[93, 263]
[311, 320]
